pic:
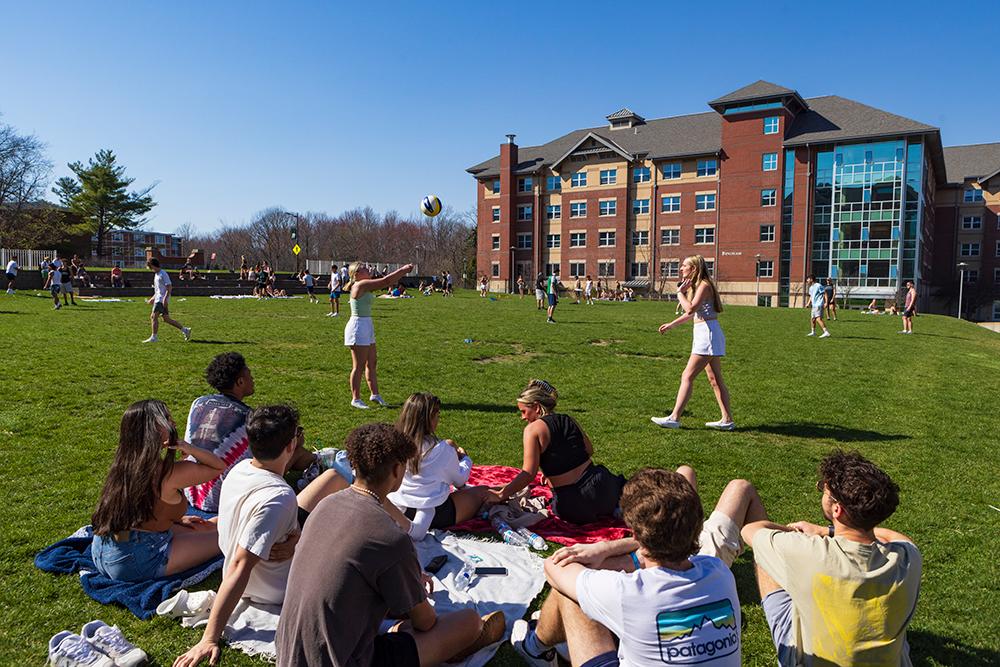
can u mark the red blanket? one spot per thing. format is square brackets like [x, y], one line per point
[553, 529]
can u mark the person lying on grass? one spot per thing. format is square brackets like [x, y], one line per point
[654, 590]
[259, 521]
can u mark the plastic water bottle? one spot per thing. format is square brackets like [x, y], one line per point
[509, 535]
[467, 341]
[535, 540]
[465, 576]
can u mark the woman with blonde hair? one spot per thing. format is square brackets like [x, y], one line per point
[698, 296]
[583, 491]
[359, 334]
[425, 496]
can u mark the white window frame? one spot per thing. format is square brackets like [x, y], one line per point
[704, 197]
[495, 186]
[577, 268]
[972, 222]
[603, 268]
[549, 180]
[674, 199]
[496, 213]
[675, 234]
[553, 212]
[521, 215]
[578, 239]
[578, 209]
[640, 206]
[494, 269]
[553, 240]
[640, 237]
[972, 195]
[772, 128]
[704, 231]
[639, 269]
[608, 177]
[607, 208]
[765, 268]
[607, 238]
[672, 266]
[971, 276]
[495, 242]
[770, 232]
[970, 247]
[765, 160]
[641, 174]
[578, 179]
[703, 166]
[673, 175]
[773, 197]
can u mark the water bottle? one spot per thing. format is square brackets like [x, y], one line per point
[465, 576]
[509, 535]
[535, 540]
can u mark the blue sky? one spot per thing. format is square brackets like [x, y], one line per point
[236, 106]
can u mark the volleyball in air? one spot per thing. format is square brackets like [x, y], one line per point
[430, 205]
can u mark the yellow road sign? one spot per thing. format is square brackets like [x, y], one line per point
[296, 249]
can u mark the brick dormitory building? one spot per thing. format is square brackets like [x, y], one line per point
[768, 186]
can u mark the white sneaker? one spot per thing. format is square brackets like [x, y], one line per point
[57, 307]
[110, 641]
[517, 636]
[358, 403]
[377, 398]
[187, 333]
[903, 331]
[151, 339]
[10, 291]
[721, 425]
[910, 331]
[665, 422]
[330, 314]
[69, 650]
[811, 333]
[825, 334]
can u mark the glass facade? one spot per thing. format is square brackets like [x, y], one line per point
[866, 217]
[787, 210]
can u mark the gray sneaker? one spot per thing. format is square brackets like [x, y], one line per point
[110, 641]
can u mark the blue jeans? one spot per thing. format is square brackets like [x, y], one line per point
[140, 558]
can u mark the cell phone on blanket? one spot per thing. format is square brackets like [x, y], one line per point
[486, 571]
[436, 564]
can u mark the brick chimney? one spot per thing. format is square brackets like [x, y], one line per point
[508, 206]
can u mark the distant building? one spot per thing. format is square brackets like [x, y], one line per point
[127, 248]
[768, 186]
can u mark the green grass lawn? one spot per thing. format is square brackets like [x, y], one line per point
[924, 407]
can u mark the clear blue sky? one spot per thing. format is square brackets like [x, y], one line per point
[236, 106]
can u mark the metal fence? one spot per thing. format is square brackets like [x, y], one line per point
[322, 266]
[26, 259]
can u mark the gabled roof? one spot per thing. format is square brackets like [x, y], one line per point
[607, 143]
[978, 161]
[757, 90]
[836, 119]
[624, 112]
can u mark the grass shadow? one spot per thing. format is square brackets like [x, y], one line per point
[510, 408]
[11, 312]
[827, 431]
[220, 342]
[920, 333]
[927, 648]
[857, 338]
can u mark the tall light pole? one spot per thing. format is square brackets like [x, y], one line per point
[757, 257]
[295, 234]
[961, 284]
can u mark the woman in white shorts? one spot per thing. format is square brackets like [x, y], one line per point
[699, 297]
[359, 334]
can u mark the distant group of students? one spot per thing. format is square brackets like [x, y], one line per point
[840, 593]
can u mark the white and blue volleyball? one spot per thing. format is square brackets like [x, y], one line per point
[430, 205]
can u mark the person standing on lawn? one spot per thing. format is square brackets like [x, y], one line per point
[552, 292]
[909, 308]
[161, 302]
[817, 299]
[11, 275]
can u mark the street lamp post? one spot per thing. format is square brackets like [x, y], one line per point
[757, 256]
[961, 284]
[295, 234]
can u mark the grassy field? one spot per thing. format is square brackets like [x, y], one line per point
[922, 406]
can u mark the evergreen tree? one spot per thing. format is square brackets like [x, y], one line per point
[99, 194]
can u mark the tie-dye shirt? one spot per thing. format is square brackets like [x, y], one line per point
[851, 602]
[217, 423]
[662, 616]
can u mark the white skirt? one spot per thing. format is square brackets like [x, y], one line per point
[359, 331]
[709, 341]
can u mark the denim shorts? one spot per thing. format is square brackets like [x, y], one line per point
[141, 558]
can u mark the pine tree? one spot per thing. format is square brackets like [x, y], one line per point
[99, 194]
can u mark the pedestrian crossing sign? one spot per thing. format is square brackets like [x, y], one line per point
[296, 249]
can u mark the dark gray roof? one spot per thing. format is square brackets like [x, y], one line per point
[624, 112]
[832, 118]
[975, 161]
[757, 90]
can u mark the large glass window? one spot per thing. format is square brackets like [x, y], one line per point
[609, 176]
[578, 179]
[671, 170]
[771, 124]
[769, 162]
[705, 202]
[640, 174]
[577, 269]
[553, 183]
[640, 206]
[670, 204]
[707, 167]
[607, 207]
[578, 209]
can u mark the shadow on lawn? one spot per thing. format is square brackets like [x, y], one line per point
[829, 431]
[490, 407]
[220, 342]
[927, 646]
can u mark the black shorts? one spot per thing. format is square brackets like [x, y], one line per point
[395, 649]
[12, 276]
[445, 514]
[594, 496]
[311, 291]
[161, 308]
[908, 312]
[303, 515]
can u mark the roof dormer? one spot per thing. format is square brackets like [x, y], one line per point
[624, 119]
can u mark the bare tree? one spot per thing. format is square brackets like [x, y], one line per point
[183, 232]
[24, 177]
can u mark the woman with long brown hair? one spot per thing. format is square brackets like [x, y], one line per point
[699, 298]
[425, 497]
[140, 528]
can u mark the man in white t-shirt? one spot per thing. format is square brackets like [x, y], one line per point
[667, 593]
[336, 288]
[259, 522]
[11, 275]
[161, 301]
[818, 302]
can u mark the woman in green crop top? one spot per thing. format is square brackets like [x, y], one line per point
[359, 334]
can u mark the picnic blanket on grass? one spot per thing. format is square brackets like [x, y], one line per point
[141, 598]
[552, 528]
[252, 627]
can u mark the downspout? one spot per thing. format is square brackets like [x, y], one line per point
[718, 217]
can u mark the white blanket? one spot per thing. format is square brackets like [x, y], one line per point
[252, 628]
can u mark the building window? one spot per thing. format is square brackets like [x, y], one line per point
[553, 212]
[578, 239]
[524, 241]
[609, 176]
[139, 252]
[704, 235]
[578, 209]
[970, 250]
[771, 125]
[710, 265]
[764, 300]
[996, 275]
[972, 275]
[769, 162]
[765, 268]
[606, 269]
[552, 269]
[707, 167]
[496, 214]
[496, 187]
[972, 222]
[160, 239]
[606, 239]
[524, 212]
[997, 253]
[996, 311]
[577, 269]
[671, 170]
[768, 197]
[495, 269]
[766, 233]
[524, 185]
[640, 237]
[496, 242]
[704, 202]
[670, 204]
[670, 237]
[640, 206]
[640, 269]
[553, 240]
[640, 174]
[115, 236]
[608, 207]
[670, 268]
[553, 183]
[972, 195]
[578, 179]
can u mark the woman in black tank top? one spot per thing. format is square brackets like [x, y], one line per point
[555, 443]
